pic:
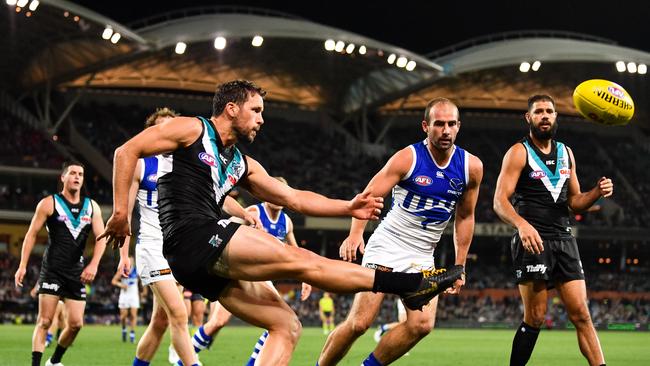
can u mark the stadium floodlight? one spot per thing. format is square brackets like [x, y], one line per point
[642, 69]
[257, 41]
[350, 48]
[11, 2]
[401, 61]
[115, 37]
[180, 48]
[330, 44]
[340, 45]
[33, 5]
[620, 66]
[524, 66]
[536, 65]
[220, 43]
[108, 32]
[631, 67]
[362, 50]
[391, 58]
[410, 66]
[22, 3]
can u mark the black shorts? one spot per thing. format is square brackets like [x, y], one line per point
[559, 262]
[67, 287]
[327, 314]
[196, 252]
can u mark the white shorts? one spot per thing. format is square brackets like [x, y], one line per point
[387, 253]
[126, 302]
[151, 264]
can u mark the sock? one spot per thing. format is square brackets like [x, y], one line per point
[201, 340]
[58, 353]
[139, 362]
[36, 358]
[396, 282]
[123, 334]
[383, 328]
[523, 344]
[48, 338]
[371, 361]
[132, 336]
[58, 333]
[258, 348]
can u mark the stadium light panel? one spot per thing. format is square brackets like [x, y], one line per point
[220, 43]
[524, 66]
[180, 48]
[350, 48]
[642, 69]
[362, 50]
[257, 41]
[620, 66]
[11, 2]
[22, 3]
[410, 66]
[108, 32]
[631, 67]
[115, 37]
[33, 5]
[391, 58]
[340, 45]
[330, 44]
[536, 65]
[402, 61]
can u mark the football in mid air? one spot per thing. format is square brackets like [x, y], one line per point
[603, 102]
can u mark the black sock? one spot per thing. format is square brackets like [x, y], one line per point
[396, 282]
[523, 344]
[58, 353]
[58, 334]
[36, 358]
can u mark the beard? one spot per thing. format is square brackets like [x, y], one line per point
[543, 135]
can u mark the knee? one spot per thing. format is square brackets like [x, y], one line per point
[44, 322]
[580, 317]
[536, 316]
[295, 329]
[421, 328]
[177, 319]
[75, 325]
[358, 325]
[160, 321]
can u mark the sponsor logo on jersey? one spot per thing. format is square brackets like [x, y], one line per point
[565, 172]
[86, 218]
[74, 210]
[50, 286]
[160, 272]
[440, 174]
[224, 160]
[232, 179]
[616, 91]
[207, 159]
[379, 267]
[423, 180]
[550, 162]
[537, 174]
[153, 178]
[537, 268]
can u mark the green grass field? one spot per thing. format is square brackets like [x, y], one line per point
[102, 345]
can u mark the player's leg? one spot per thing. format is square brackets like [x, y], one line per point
[534, 296]
[219, 317]
[259, 344]
[56, 321]
[257, 304]
[46, 309]
[124, 312]
[406, 334]
[365, 308]
[574, 297]
[133, 319]
[153, 335]
[75, 316]
[198, 311]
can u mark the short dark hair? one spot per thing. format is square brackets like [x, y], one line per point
[159, 113]
[539, 98]
[236, 91]
[433, 102]
[69, 163]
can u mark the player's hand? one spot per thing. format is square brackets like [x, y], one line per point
[605, 187]
[124, 267]
[116, 231]
[530, 239]
[455, 289]
[348, 249]
[305, 291]
[19, 276]
[366, 207]
[88, 274]
[253, 221]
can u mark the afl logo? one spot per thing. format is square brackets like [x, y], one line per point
[616, 92]
[207, 158]
[537, 174]
[423, 180]
[153, 178]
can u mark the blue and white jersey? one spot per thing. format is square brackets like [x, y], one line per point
[132, 283]
[278, 228]
[425, 200]
[148, 200]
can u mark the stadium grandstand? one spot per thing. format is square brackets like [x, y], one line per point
[76, 84]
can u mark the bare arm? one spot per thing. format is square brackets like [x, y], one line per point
[124, 265]
[513, 163]
[581, 201]
[291, 239]
[88, 274]
[115, 281]
[44, 208]
[267, 188]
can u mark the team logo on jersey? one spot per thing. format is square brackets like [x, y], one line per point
[215, 241]
[537, 174]
[456, 184]
[153, 178]
[423, 180]
[207, 159]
